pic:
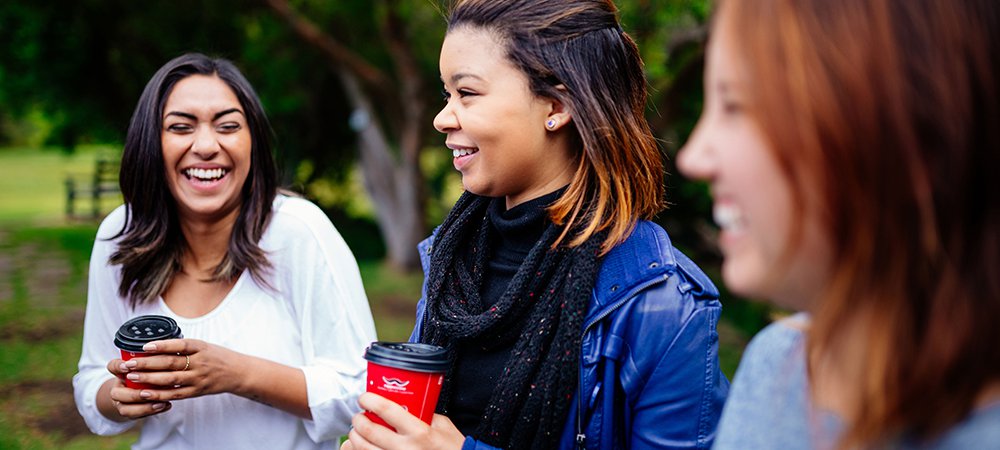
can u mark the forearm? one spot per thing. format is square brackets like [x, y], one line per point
[274, 384]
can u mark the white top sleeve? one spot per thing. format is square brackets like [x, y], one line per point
[336, 322]
[105, 313]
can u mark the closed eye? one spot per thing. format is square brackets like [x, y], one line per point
[180, 128]
[230, 127]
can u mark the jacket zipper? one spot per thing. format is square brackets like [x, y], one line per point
[581, 437]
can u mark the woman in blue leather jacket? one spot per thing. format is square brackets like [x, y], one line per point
[571, 320]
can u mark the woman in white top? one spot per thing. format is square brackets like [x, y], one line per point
[266, 292]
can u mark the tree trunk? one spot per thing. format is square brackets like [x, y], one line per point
[394, 187]
[394, 183]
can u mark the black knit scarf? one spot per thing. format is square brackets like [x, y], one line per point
[541, 311]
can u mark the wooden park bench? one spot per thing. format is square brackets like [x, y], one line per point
[102, 183]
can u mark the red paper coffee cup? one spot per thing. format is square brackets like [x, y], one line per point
[407, 373]
[139, 331]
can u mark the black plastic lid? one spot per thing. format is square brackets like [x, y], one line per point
[141, 330]
[408, 356]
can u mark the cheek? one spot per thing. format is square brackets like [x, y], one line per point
[172, 148]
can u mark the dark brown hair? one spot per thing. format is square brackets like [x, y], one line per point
[151, 242]
[579, 45]
[891, 108]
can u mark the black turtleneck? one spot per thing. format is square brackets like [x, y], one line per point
[513, 233]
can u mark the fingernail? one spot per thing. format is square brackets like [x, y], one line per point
[133, 376]
[159, 406]
[149, 347]
[122, 367]
[131, 365]
[145, 394]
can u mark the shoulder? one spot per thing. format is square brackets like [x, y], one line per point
[773, 366]
[294, 218]
[778, 345]
[770, 392]
[299, 227]
[296, 211]
[653, 296]
[980, 430]
[647, 259]
[112, 223]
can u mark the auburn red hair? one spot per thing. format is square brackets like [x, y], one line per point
[890, 108]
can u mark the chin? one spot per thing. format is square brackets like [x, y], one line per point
[473, 188]
[744, 281]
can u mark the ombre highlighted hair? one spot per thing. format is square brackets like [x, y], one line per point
[576, 52]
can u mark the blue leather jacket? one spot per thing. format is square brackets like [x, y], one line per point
[649, 369]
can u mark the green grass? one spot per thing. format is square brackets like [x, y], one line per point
[32, 185]
[42, 297]
[393, 298]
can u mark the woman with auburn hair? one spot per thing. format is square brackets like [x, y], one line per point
[266, 292]
[571, 319]
[850, 146]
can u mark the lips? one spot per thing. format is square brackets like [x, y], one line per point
[462, 154]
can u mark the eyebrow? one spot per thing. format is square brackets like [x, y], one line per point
[458, 77]
[192, 116]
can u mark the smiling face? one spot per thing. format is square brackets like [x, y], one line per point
[206, 148]
[753, 199]
[499, 133]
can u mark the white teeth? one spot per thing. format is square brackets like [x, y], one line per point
[728, 217]
[462, 152]
[206, 174]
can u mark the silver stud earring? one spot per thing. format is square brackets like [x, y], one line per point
[551, 124]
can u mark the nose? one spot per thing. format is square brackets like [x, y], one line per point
[445, 120]
[206, 143]
[695, 158]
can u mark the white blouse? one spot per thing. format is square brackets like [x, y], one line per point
[315, 318]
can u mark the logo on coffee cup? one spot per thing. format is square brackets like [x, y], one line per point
[394, 384]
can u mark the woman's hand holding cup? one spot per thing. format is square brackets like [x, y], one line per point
[176, 369]
[404, 380]
[128, 402]
[408, 430]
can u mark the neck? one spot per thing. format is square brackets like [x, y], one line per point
[207, 243]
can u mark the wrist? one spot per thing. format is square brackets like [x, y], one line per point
[242, 374]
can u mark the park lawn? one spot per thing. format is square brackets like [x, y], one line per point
[32, 182]
[42, 299]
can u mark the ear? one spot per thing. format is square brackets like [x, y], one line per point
[559, 113]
